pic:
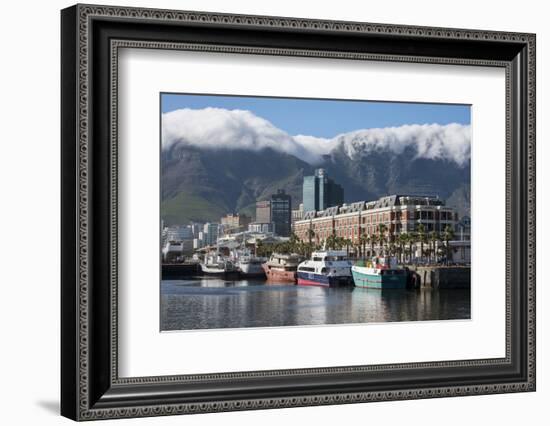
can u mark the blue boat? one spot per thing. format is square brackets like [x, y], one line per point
[326, 268]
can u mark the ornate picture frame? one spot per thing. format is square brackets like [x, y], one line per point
[91, 37]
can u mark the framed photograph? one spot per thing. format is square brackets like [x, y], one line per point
[263, 212]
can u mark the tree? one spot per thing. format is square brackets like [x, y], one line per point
[364, 239]
[421, 236]
[310, 235]
[448, 234]
[293, 240]
[403, 240]
[411, 239]
[372, 241]
[347, 243]
[434, 238]
[381, 237]
[330, 242]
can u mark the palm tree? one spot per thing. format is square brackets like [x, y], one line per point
[403, 240]
[448, 234]
[434, 238]
[391, 242]
[421, 235]
[293, 242]
[372, 239]
[411, 237]
[364, 239]
[381, 237]
[347, 243]
[310, 235]
[330, 242]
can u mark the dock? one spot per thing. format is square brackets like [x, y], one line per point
[441, 277]
[175, 271]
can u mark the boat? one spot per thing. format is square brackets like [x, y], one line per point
[281, 268]
[172, 252]
[249, 265]
[215, 264]
[327, 268]
[381, 273]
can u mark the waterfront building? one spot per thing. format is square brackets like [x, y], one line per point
[320, 192]
[196, 228]
[463, 229]
[399, 213]
[275, 214]
[281, 210]
[263, 211]
[210, 233]
[232, 223]
[177, 233]
[297, 215]
[261, 228]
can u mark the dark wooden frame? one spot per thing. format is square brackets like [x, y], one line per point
[90, 386]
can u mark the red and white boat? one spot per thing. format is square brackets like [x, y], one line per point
[281, 268]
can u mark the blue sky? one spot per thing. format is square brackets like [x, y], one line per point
[325, 118]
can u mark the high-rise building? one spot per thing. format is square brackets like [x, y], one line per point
[281, 212]
[263, 211]
[210, 233]
[275, 214]
[320, 192]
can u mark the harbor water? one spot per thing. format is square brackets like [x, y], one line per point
[216, 303]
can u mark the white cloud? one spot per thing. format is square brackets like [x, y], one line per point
[216, 128]
[450, 141]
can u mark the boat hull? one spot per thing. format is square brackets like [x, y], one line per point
[278, 275]
[218, 272]
[251, 270]
[313, 279]
[396, 281]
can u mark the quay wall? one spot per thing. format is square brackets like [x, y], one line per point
[174, 271]
[441, 277]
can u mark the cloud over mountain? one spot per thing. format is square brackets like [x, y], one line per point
[216, 128]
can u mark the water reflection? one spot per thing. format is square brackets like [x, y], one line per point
[206, 303]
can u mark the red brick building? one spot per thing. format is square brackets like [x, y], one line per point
[399, 213]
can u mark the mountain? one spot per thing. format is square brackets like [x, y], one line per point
[460, 200]
[205, 184]
[216, 161]
[368, 173]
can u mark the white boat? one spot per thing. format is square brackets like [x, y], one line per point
[248, 264]
[215, 264]
[172, 252]
[327, 268]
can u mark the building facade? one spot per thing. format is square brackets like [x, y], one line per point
[235, 223]
[274, 214]
[297, 215]
[281, 213]
[320, 192]
[398, 213]
[261, 228]
[263, 211]
[210, 234]
[176, 233]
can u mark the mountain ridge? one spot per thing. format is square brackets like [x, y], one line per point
[227, 180]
